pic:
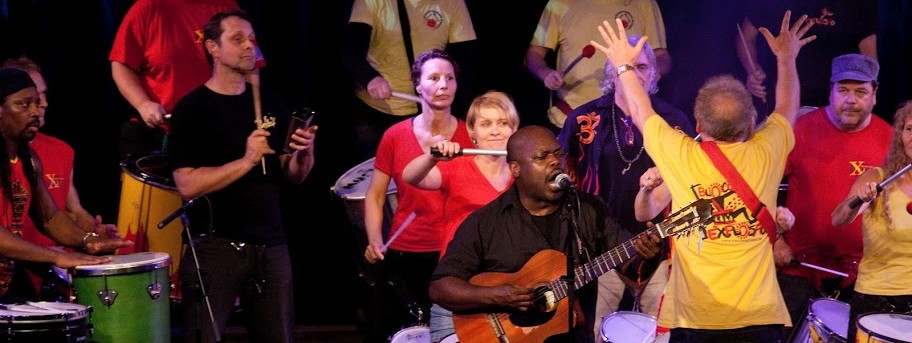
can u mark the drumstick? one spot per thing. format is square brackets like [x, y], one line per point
[258, 109]
[398, 231]
[820, 268]
[750, 60]
[405, 96]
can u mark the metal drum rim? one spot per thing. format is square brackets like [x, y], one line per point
[109, 269]
[142, 176]
[335, 188]
[878, 335]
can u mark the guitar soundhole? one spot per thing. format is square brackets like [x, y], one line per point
[530, 318]
[541, 312]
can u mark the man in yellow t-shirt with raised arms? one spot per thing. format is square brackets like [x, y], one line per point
[723, 282]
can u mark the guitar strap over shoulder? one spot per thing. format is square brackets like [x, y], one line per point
[737, 183]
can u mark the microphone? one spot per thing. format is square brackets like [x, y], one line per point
[562, 181]
[909, 207]
[588, 51]
[180, 211]
[880, 187]
[464, 151]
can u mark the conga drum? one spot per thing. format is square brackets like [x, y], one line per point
[130, 297]
[352, 189]
[147, 196]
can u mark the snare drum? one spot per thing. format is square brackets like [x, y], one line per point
[628, 327]
[414, 334]
[827, 321]
[130, 297]
[44, 322]
[147, 196]
[884, 328]
[352, 189]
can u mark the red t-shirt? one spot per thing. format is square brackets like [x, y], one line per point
[163, 40]
[57, 160]
[465, 189]
[397, 148]
[821, 170]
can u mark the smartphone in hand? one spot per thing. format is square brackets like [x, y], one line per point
[300, 119]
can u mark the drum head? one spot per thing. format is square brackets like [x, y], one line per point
[36, 312]
[451, 338]
[125, 264]
[354, 183]
[888, 327]
[414, 334]
[628, 326]
[152, 169]
[830, 314]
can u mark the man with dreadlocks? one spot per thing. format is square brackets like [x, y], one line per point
[23, 196]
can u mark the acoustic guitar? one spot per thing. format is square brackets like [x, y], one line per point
[548, 315]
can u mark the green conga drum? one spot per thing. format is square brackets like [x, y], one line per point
[130, 297]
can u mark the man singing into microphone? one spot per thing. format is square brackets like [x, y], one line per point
[216, 153]
[532, 216]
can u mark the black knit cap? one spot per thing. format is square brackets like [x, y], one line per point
[13, 80]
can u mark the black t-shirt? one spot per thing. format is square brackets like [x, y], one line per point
[502, 236]
[209, 130]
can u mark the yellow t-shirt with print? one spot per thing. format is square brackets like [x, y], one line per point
[724, 278]
[886, 268]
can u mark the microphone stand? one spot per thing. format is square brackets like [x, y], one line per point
[570, 252]
[199, 276]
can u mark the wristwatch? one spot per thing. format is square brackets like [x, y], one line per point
[624, 67]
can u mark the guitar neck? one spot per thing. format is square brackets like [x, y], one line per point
[591, 270]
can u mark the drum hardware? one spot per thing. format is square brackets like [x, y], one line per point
[827, 321]
[107, 295]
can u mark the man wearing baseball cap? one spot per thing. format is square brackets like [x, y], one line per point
[833, 146]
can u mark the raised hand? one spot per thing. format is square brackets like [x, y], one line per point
[790, 39]
[616, 47]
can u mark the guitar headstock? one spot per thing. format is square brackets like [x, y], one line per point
[694, 216]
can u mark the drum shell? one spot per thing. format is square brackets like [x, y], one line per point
[827, 321]
[147, 196]
[351, 188]
[62, 327]
[134, 315]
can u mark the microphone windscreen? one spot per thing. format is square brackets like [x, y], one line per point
[909, 207]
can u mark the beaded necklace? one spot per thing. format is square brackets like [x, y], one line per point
[628, 135]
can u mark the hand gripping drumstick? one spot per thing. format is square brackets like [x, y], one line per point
[464, 151]
[880, 187]
[258, 109]
[406, 96]
[398, 231]
[750, 61]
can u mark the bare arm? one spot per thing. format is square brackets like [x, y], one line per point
[422, 172]
[868, 46]
[536, 65]
[864, 188]
[653, 196]
[193, 182]
[374, 199]
[786, 47]
[74, 209]
[298, 165]
[620, 52]
[456, 294]
[14, 247]
[128, 83]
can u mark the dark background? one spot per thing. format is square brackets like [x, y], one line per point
[301, 41]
